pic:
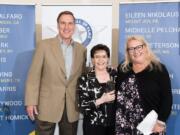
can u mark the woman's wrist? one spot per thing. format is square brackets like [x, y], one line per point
[99, 101]
[161, 123]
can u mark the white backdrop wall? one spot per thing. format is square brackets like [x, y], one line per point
[89, 29]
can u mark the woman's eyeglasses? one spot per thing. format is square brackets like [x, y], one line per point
[137, 48]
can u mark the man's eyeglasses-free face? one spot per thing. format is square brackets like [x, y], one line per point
[137, 48]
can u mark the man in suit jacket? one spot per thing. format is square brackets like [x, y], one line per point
[51, 84]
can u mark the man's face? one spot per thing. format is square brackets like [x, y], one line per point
[66, 26]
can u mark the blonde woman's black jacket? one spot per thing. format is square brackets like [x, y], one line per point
[154, 88]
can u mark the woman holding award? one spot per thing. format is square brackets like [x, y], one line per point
[143, 86]
[97, 94]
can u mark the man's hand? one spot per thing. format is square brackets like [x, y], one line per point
[31, 111]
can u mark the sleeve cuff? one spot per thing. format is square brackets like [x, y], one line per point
[161, 123]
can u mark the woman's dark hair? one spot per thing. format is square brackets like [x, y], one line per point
[99, 47]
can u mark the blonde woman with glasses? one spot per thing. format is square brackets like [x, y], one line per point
[143, 85]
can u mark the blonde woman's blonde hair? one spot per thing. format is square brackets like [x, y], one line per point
[151, 57]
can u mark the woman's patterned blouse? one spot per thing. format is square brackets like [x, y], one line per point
[129, 110]
[89, 89]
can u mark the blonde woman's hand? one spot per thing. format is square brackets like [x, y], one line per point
[159, 127]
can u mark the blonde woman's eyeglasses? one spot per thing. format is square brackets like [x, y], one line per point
[137, 48]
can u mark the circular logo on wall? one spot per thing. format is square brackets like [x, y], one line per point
[83, 32]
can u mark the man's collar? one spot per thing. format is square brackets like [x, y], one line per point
[61, 41]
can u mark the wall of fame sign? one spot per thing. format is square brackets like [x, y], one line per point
[159, 24]
[17, 41]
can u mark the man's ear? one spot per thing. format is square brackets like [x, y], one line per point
[58, 26]
[92, 60]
